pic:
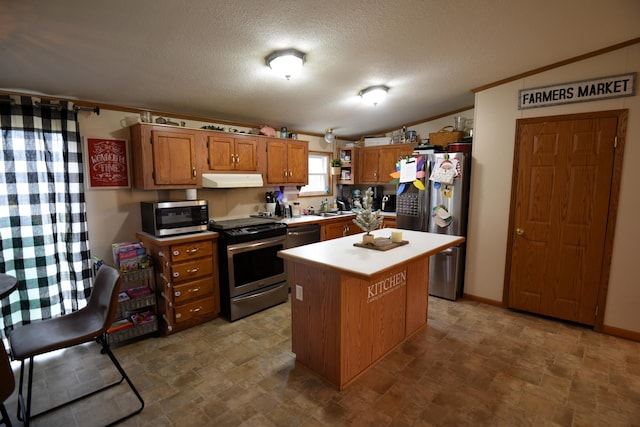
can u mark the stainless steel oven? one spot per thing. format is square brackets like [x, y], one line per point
[252, 277]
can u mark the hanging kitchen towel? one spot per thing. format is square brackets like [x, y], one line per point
[444, 171]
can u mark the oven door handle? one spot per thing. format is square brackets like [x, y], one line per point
[258, 294]
[249, 246]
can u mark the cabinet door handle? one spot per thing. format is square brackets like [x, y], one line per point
[193, 270]
[192, 250]
[193, 170]
[195, 310]
[194, 289]
[290, 172]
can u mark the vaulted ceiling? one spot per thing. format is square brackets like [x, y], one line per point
[206, 58]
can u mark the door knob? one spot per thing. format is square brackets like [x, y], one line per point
[519, 231]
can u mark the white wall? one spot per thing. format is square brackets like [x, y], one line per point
[494, 136]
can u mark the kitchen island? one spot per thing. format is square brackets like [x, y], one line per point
[351, 305]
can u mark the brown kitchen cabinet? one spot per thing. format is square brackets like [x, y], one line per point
[287, 162]
[388, 221]
[377, 163]
[347, 170]
[164, 157]
[232, 152]
[187, 279]
[332, 229]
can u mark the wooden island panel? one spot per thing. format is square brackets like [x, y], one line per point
[350, 306]
[345, 323]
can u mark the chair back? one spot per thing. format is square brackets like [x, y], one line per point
[103, 301]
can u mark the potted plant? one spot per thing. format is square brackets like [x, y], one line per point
[335, 166]
[365, 219]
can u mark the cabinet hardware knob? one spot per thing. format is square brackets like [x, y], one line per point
[176, 253]
[519, 231]
[176, 274]
[177, 293]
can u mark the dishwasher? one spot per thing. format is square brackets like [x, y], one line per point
[302, 235]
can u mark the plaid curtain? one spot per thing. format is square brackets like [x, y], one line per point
[42, 211]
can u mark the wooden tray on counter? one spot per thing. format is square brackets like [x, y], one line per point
[381, 244]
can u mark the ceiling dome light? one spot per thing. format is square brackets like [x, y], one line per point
[287, 62]
[374, 94]
[329, 137]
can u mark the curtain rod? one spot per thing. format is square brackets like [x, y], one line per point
[76, 108]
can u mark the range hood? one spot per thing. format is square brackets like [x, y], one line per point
[231, 180]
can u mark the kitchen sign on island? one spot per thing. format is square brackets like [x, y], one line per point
[350, 306]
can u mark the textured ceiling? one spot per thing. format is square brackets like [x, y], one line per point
[206, 58]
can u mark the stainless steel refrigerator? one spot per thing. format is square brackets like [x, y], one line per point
[441, 207]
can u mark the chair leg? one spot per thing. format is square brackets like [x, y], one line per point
[24, 412]
[5, 416]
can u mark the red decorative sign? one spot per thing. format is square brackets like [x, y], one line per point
[107, 163]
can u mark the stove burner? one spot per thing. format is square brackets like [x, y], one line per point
[245, 229]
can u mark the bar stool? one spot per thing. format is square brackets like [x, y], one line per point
[87, 324]
[7, 383]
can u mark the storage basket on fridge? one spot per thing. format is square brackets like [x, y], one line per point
[445, 136]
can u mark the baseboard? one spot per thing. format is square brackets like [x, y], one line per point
[609, 330]
[622, 333]
[483, 300]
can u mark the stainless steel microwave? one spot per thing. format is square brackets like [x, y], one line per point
[171, 218]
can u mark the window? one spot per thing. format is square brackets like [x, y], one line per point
[319, 177]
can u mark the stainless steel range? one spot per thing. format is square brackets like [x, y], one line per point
[252, 277]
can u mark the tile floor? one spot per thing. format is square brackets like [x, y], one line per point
[473, 364]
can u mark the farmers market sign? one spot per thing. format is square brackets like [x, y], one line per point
[581, 91]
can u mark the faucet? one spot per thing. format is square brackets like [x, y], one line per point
[341, 205]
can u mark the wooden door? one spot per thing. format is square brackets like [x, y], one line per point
[298, 163]
[560, 215]
[276, 162]
[221, 153]
[246, 150]
[368, 169]
[174, 158]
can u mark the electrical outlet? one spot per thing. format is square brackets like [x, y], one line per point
[299, 292]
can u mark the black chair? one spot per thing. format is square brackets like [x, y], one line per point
[7, 383]
[87, 324]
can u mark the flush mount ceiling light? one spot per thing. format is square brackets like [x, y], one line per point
[374, 94]
[329, 136]
[287, 62]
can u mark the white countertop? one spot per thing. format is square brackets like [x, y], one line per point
[340, 253]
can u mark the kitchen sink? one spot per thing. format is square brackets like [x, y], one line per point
[330, 214]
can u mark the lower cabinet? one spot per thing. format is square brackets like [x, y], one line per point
[339, 228]
[187, 279]
[388, 222]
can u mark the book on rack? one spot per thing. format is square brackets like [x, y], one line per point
[119, 325]
[129, 256]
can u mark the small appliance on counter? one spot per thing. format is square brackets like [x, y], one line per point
[163, 219]
[388, 203]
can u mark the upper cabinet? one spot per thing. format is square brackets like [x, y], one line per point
[347, 170]
[164, 157]
[232, 152]
[287, 162]
[377, 163]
